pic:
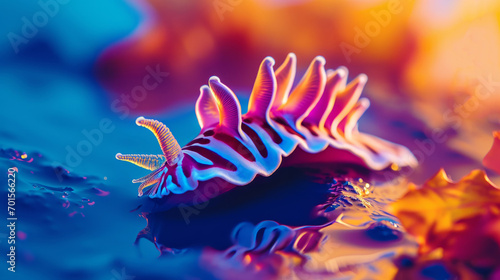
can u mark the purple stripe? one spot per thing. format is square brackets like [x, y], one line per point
[212, 156]
[255, 139]
[236, 145]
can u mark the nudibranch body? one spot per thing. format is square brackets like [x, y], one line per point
[319, 115]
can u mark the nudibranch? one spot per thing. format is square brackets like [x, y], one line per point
[319, 115]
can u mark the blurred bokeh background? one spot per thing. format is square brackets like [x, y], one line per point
[68, 66]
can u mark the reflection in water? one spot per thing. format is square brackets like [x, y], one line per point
[303, 223]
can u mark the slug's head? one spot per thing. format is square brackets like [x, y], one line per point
[159, 164]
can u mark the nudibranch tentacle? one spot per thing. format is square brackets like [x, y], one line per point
[263, 93]
[228, 105]
[171, 149]
[320, 115]
[150, 162]
[321, 111]
[306, 94]
[206, 109]
[284, 80]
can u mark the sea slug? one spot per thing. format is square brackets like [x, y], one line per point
[319, 115]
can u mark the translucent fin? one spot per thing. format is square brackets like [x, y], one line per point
[308, 92]
[228, 104]
[284, 80]
[150, 162]
[345, 101]
[206, 109]
[350, 123]
[264, 90]
[171, 149]
[320, 112]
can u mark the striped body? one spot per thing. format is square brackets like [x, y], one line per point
[320, 114]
